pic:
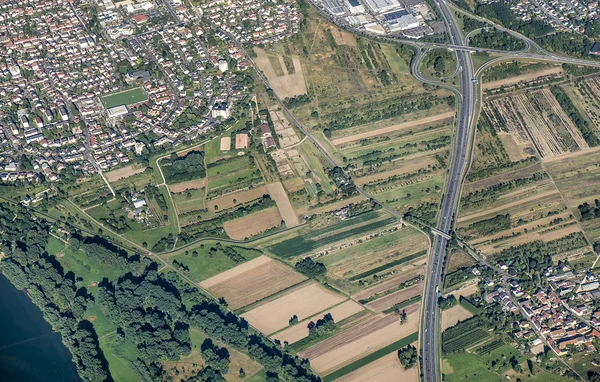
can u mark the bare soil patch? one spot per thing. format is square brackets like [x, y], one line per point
[253, 224]
[91, 318]
[304, 302]
[300, 330]
[385, 369]
[195, 184]
[286, 210]
[392, 299]
[285, 86]
[394, 128]
[125, 172]
[227, 201]
[94, 284]
[252, 281]
[393, 282]
[344, 349]
[522, 78]
[343, 38]
[452, 316]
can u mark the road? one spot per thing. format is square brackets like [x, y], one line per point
[466, 108]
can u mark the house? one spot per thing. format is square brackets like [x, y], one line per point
[265, 131]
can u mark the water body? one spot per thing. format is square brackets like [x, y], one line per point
[29, 349]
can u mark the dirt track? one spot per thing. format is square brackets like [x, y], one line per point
[393, 128]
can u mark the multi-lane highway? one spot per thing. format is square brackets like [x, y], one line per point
[466, 109]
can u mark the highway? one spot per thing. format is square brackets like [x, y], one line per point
[466, 108]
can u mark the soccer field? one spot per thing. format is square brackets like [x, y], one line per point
[126, 97]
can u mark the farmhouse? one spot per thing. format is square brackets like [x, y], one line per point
[265, 131]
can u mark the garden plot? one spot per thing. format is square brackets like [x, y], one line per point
[305, 302]
[281, 162]
[538, 115]
[252, 281]
[286, 134]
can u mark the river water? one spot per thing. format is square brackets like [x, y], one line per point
[29, 349]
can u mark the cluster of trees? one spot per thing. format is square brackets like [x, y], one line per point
[492, 193]
[494, 169]
[190, 117]
[495, 39]
[589, 212]
[531, 258]
[322, 327]
[292, 102]
[447, 302]
[153, 311]
[344, 184]
[310, 268]
[29, 267]
[440, 60]
[408, 356]
[582, 124]
[377, 110]
[491, 225]
[178, 169]
[215, 357]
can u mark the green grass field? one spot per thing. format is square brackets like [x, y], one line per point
[126, 97]
[207, 264]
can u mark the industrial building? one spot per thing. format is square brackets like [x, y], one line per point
[400, 20]
[381, 6]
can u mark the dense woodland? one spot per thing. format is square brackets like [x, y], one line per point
[178, 169]
[153, 311]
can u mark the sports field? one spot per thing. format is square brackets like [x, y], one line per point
[126, 97]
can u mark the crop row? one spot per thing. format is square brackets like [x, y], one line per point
[464, 341]
[299, 245]
[490, 347]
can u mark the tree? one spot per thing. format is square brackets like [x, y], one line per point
[310, 268]
[214, 356]
[408, 356]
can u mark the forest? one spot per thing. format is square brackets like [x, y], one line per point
[178, 169]
[152, 310]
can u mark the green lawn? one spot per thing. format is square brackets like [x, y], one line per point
[126, 97]
[228, 166]
[234, 178]
[194, 202]
[54, 245]
[467, 367]
[207, 264]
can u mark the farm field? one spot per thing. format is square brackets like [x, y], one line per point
[304, 302]
[195, 184]
[450, 317]
[523, 78]
[228, 175]
[510, 200]
[385, 369]
[252, 281]
[300, 330]
[231, 200]
[286, 210]
[360, 340]
[536, 115]
[189, 204]
[323, 232]
[394, 298]
[578, 179]
[253, 224]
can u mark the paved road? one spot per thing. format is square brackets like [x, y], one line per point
[431, 372]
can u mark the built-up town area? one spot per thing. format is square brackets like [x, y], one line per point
[65, 65]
